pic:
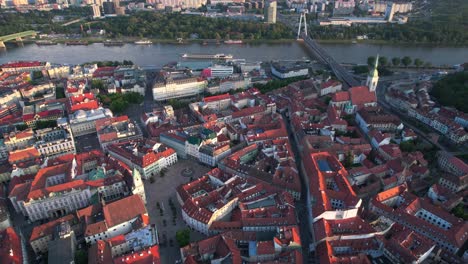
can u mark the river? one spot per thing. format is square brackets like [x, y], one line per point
[160, 54]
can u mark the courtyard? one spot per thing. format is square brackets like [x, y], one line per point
[162, 200]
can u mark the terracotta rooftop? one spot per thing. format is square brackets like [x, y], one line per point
[10, 247]
[49, 227]
[123, 210]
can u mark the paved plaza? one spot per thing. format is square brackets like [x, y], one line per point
[160, 191]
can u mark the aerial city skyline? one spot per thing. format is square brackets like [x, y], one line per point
[233, 131]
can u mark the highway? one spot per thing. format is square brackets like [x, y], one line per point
[322, 55]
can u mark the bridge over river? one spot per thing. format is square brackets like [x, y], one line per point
[16, 36]
[340, 72]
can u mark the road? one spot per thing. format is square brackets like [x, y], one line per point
[303, 209]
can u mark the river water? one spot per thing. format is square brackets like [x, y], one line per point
[161, 54]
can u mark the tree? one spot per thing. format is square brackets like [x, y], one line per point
[371, 61]
[97, 84]
[418, 62]
[183, 237]
[348, 162]
[408, 146]
[118, 106]
[406, 61]
[37, 75]
[40, 124]
[452, 90]
[81, 257]
[396, 61]
[383, 61]
[21, 127]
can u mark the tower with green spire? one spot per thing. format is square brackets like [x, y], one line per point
[373, 77]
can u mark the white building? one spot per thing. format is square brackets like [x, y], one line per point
[178, 88]
[220, 71]
[183, 3]
[147, 157]
[55, 142]
[288, 71]
[83, 122]
[119, 218]
[62, 189]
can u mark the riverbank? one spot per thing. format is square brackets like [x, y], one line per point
[129, 40]
[389, 43]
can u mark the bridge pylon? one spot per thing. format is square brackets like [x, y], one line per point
[303, 15]
[2, 45]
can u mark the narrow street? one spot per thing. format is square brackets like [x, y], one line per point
[302, 210]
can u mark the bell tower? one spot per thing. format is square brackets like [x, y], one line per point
[138, 187]
[373, 77]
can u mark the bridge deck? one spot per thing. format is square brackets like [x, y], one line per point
[340, 72]
[17, 35]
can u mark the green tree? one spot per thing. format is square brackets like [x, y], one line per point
[118, 106]
[183, 237]
[418, 62]
[383, 61]
[396, 61]
[97, 84]
[81, 257]
[452, 90]
[21, 127]
[406, 61]
[371, 61]
[348, 161]
[40, 124]
[408, 146]
[459, 211]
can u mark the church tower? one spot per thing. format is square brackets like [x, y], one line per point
[373, 77]
[138, 187]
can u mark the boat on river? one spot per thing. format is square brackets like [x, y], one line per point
[219, 56]
[143, 42]
[45, 43]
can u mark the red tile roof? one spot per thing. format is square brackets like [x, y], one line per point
[10, 247]
[49, 227]
[145, 156]
[123, 210]
[340, 96]
[22, 155]
[361, 95]
[21, 64]
[146, 256]
[214, 98]
[316, 165]
[100, 253]
[329, 83]
[410, 205]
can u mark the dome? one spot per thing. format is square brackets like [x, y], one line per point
[80, 114]
[108, 112]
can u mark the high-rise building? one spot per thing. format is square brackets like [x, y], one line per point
[390, 11]
[270, 12]
[108, 7]
[20, 2]
[96, 11]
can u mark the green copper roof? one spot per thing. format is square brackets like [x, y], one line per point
[194, 140]
[96, 174]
